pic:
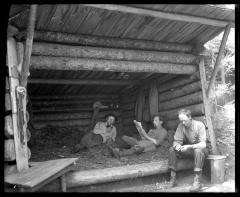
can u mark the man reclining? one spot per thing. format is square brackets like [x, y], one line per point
[149, 141]
[103, 132]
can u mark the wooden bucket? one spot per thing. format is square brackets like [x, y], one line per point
[217, 168]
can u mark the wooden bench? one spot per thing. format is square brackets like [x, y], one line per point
[40, 174]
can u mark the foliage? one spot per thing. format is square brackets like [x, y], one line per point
[228, 60]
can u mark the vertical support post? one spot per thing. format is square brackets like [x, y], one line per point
[219, 58]
[20, 139]
[28, 45]
[206, 106]
[63, 183]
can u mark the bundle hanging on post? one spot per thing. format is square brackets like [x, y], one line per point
[146, 111]
[153, 99]
[139, 105]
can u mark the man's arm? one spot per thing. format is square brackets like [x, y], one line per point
[178, 137]
[202, 137]
[151, 139]
[114, 134]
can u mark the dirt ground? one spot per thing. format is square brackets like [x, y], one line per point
[56, 143]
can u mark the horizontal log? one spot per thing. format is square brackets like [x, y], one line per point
[70, 116]
[96, 176]
[10, 169]
[127, 107]
[127, 114]
[72, 97]
[190, 99]
[64, 63]
[8, 126]
[128, 121]
[72, 102]
[128, 100]
[172, 124]
[82, 82]
[103, 41]
[196, 110]
[181, 91]
[7, 87]
[48, 49]
[61, 123]
[7, 102]
[177, 82]
[9, 150]
[58, 109]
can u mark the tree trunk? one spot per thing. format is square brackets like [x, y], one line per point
[64, 63]
[181, 91]
[47, 49]
[190, 99]
[103, 41]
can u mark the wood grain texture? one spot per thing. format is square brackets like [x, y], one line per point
[8, 126]
[20, 147]
[181, 91]
[9, 150]
[196, 110]
[109, 41]
[34, 175]
[194, 98]
[48, 49]
[89, 177]
[64, 63]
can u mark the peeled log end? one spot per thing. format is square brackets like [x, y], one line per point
[9, 150]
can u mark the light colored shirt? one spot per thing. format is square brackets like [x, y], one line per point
[158, 134]
[190, 135]
[106, 132]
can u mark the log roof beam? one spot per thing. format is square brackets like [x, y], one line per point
[82, 82]
[161, 14]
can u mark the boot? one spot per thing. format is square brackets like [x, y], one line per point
[173, 180]
[115, 152]
[138, 149]
[196, 183]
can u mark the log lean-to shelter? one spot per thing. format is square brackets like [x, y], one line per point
[140, 59]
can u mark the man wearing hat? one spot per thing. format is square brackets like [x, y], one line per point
[103, 132]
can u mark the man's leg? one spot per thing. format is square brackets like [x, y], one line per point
[199, 156]
[130, 140]
[172, 162]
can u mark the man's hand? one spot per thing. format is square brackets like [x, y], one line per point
[185, 147]
[178, 147]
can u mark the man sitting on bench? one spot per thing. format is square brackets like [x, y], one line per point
[189, 141]
[149, 141]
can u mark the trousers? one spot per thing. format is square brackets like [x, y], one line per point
[197, 154]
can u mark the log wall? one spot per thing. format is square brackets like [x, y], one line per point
[67, 111]
[183, 92]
